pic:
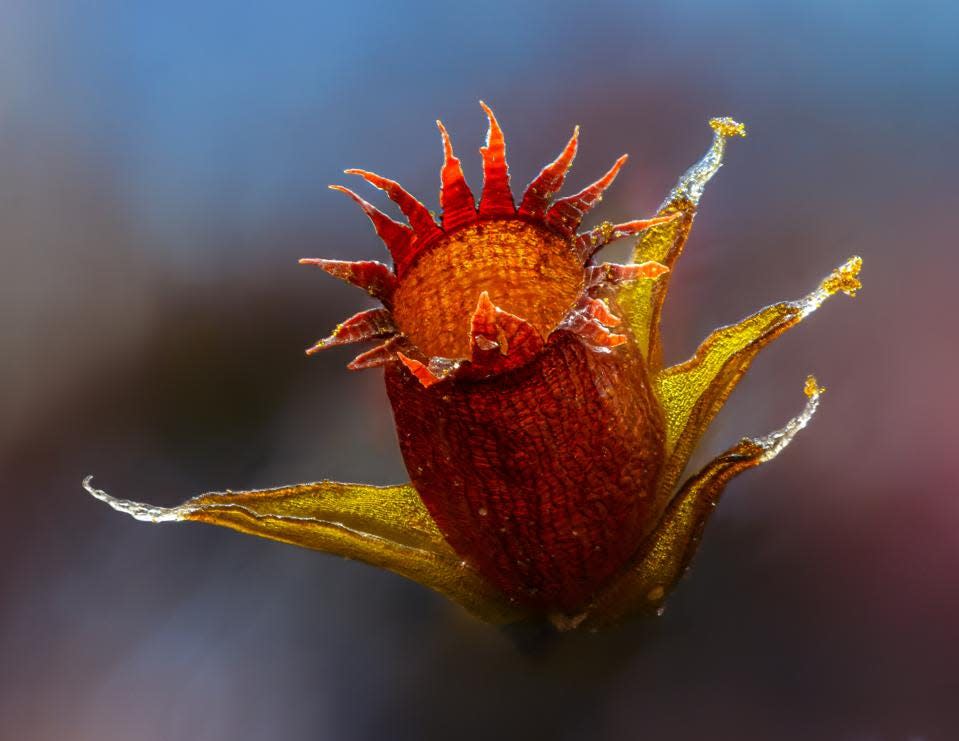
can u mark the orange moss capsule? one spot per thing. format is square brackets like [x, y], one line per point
[544, 439]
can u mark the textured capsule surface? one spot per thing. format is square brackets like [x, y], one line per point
[543, 480]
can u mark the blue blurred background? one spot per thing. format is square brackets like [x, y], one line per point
[162, 167]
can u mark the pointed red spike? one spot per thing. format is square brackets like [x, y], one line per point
[588, 243]
[422, 373]
[497, 198]
[539, 193]
[424, 226]
[366, 325]
[611, 273]
[566, 214]
[584, 322]
[421, 220]
[500, 340]
[373, 277]
[484, 334]
[379, 355]
[395, 235]
[599, 310]
[456, 198]
[598, 336]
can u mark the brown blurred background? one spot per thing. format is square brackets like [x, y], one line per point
[162, 167]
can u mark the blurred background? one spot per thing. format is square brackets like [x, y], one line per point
[163, 166]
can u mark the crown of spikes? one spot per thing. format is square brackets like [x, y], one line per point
[498, 340]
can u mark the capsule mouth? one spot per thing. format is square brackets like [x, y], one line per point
[524, 269]
[479, 290]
